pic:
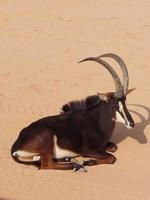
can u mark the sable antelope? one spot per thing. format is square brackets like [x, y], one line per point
[84, 128]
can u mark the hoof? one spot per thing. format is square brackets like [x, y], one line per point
[89, 162]
[79, 168]
[112, 159]
[111, 147]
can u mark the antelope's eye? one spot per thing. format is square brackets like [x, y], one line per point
[124, 98]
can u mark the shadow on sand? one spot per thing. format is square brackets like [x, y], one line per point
[137, 133]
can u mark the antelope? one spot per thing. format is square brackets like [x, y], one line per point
[83, 128]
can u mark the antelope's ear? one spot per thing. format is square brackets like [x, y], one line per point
[130, 90]
[104, 97]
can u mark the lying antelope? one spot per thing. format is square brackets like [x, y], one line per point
[84, 128]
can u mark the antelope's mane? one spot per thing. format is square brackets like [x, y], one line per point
[84, 104]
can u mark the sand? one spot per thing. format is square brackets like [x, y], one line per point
[41, 42]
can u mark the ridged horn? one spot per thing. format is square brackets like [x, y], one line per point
[123, 68]
[118, 85]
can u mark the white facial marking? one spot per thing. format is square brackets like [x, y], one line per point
[61, 153]
[122, 110]
[119, 118]
[120, 107]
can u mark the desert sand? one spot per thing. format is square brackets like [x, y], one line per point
[41, 43]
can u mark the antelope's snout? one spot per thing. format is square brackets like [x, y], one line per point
[123, 115]
[130, 124]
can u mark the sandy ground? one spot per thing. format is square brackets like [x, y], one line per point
[41, 42]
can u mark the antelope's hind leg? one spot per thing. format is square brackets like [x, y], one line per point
[99, 158]
[39, 147]
[49, 162]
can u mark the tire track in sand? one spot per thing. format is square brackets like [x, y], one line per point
[13, 116]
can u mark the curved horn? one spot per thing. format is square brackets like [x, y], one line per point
[118, 85]
[123, 68]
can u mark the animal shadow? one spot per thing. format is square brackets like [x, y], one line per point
[137, 133]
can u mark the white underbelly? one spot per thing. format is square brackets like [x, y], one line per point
[62, 153]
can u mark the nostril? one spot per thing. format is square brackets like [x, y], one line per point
[132, 124]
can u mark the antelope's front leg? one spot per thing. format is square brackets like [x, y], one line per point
[111, 147]
[98, 157]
